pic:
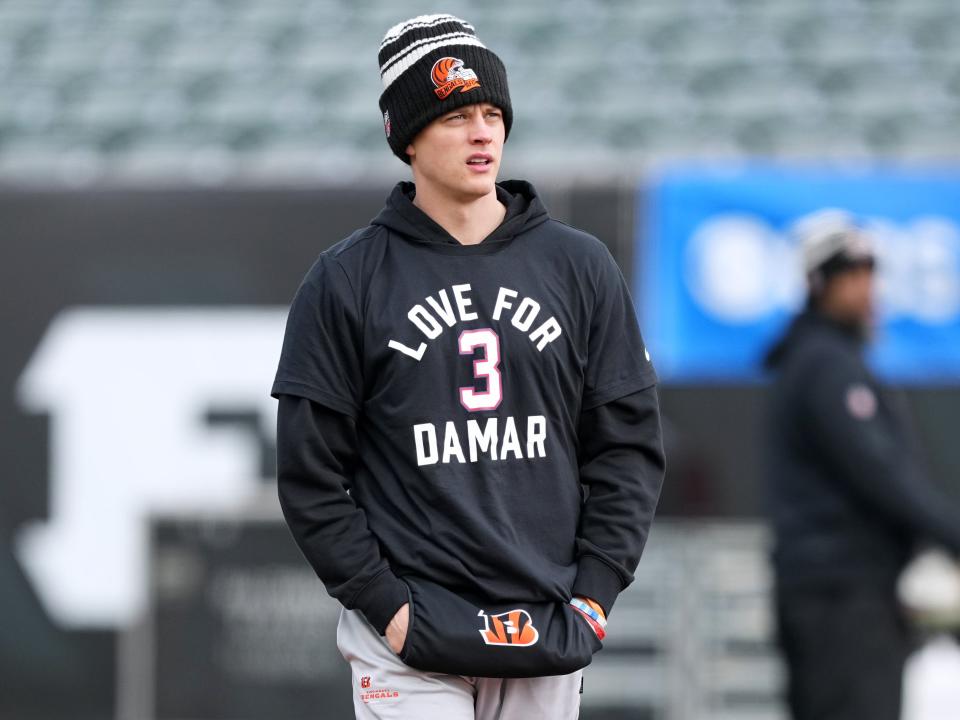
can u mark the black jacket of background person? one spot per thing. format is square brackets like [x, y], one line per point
[848, 497]
[359, 384]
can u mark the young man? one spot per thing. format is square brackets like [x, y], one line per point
[472, 372]
[849, 499]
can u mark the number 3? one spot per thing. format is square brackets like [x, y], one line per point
[487, 367]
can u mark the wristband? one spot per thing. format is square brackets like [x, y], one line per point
[594, 625]
[596, 606]
[590, 611]
[596, 620]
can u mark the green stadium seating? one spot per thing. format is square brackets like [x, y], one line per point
[599, 86]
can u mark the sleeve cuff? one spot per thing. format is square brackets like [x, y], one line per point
[380, 599]
[299, 389]
[598, 581]
[603, 395]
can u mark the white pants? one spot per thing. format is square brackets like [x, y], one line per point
[385, 688]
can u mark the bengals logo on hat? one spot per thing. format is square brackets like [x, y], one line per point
[448, 74]
[514, 627]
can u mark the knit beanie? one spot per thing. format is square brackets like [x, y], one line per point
[430, 65]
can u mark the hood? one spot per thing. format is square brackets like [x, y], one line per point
[807, 324]
[525, 211]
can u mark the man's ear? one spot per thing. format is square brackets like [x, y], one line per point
[411, 153]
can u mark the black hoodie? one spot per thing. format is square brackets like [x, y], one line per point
[847, 495]
[491, 407]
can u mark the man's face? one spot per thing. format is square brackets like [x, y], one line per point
[849, 295]
[459, 153]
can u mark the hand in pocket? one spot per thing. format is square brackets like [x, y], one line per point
[452, 634]
[397, 629]
[592, 614]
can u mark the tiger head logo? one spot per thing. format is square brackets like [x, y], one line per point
[514, 628]
[448, 74]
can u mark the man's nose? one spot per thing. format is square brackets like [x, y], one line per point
[479, 131]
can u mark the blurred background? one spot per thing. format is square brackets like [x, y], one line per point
[169, 171]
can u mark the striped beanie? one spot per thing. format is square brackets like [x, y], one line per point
[432, 64]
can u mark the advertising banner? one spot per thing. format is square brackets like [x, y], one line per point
[719, 273]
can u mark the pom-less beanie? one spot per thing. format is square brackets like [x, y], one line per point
[430, 65]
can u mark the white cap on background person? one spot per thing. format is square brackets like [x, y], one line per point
[832, 242]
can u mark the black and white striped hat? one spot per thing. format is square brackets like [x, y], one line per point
[429, 65]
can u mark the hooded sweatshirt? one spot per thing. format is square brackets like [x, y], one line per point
[847, 493]
[490, 407]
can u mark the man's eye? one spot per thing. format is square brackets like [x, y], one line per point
[493, 113]
[458, 116]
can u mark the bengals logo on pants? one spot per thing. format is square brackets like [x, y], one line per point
[448, 74]
[514, 627]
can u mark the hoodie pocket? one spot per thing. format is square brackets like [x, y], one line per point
[450, 634]
[411, 621]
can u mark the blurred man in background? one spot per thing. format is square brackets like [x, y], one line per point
[848, 498]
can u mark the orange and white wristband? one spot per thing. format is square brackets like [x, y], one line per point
[593, 614]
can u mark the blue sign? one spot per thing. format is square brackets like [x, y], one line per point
[718, 274]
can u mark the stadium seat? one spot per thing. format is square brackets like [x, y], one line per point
[627, 83]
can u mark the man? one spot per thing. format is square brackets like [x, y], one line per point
[473, 372]
[848, 498]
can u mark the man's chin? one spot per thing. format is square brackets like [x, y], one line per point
[477, 188]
